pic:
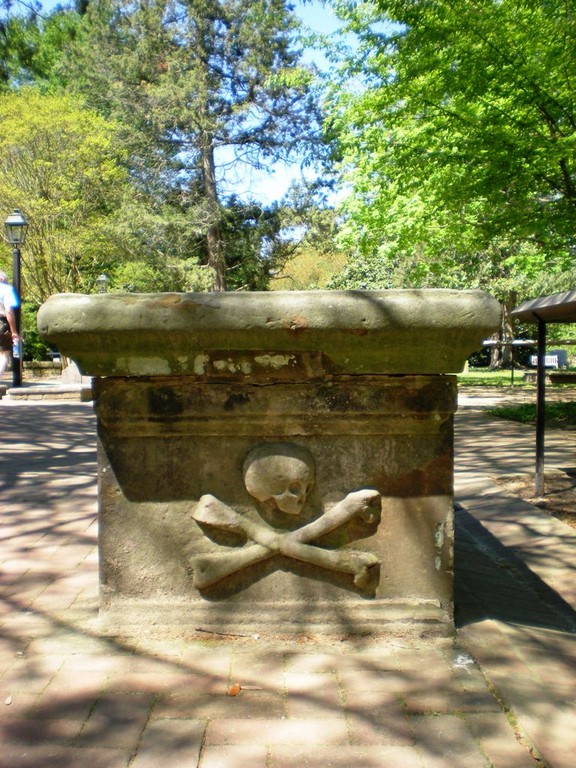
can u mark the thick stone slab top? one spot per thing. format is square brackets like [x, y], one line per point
[276, 334]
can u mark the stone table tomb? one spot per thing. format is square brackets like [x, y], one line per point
[274, 462]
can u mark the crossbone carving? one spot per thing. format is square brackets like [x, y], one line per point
[290, 475]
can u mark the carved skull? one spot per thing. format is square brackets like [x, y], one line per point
[282, 473]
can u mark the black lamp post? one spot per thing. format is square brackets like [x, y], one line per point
[16, 227]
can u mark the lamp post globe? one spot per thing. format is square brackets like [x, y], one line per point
[16, 228]
[102, 282]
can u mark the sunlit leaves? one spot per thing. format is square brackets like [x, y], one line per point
[60, 163]
[458, 138]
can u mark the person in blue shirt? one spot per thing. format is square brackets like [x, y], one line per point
[9, 301]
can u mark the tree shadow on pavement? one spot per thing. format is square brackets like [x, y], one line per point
[492, 583]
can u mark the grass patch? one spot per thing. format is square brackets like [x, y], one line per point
[484, 377]
[561, 415]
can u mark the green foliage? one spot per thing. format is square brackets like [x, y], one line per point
[311, 255]
[31, 44]
[370, 271]
[191, 92]
[34, 347]
[61, 164]
[253, 244]
[308, 270]
[201, 89]
[139, 277]
[457, 132]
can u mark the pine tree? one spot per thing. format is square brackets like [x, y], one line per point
[201, 87]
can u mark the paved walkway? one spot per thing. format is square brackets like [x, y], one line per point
[501, 696]
[516, 591]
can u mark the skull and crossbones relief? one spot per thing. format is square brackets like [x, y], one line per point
[281, 475]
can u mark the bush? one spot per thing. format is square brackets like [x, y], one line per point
[33, 346]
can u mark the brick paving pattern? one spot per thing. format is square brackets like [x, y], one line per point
[502, 695]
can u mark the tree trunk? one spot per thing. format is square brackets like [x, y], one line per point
[495, 352]
[507, 330]
[501, 355]
[214, 242]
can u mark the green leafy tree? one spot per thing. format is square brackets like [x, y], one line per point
[200, 88]
[457, 132]
[15, 45]
[60, 163]
[252, 241]
[312, 255]
[32, 43]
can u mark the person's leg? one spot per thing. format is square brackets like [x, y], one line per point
[4, 360]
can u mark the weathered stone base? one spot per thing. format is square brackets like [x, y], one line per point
[165, 443]
[180, 619]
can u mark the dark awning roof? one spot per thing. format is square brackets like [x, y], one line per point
[557, 308]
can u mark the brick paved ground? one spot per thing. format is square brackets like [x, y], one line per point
[501, 696]
[516, 595]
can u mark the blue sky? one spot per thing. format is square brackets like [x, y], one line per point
[317, 16]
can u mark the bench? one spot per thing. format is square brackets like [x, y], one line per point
[531, 377]
[550, 361]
